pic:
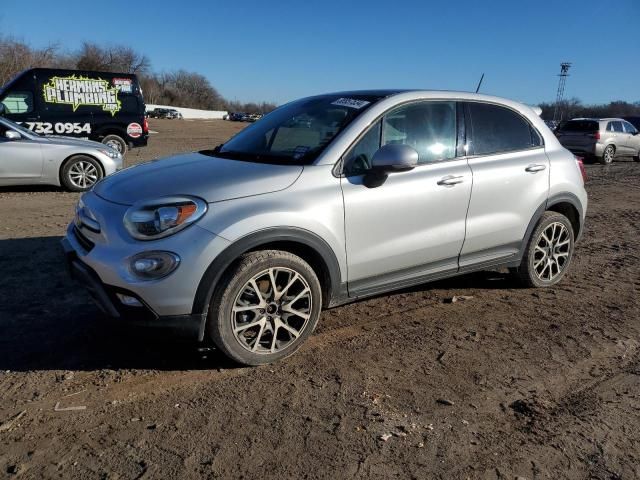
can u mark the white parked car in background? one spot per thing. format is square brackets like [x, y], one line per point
[27, 158]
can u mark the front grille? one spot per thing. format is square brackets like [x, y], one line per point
[84, 242]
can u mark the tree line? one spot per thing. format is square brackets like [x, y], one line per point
[574, 108]
[178, 88]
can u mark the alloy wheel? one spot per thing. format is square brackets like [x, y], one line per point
[552, 250]
[272, 310]
[608, 155]
[116, 145]
[83, 174]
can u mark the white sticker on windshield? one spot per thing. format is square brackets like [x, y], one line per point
[351, 103]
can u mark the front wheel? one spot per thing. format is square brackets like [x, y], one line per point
[80, 173]
[548, 253]
[268, 305]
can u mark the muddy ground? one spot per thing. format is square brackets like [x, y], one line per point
[511, 382]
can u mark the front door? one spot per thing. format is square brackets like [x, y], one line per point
[413, 225]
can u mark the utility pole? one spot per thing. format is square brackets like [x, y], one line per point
[564, 73]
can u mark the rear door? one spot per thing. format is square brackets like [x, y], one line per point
[20, 160]
[510, 182]
[411, 226]
[617, 137]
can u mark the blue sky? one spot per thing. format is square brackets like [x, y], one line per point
[281, 50]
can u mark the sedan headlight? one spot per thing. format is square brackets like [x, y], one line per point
[110, 152]
[161, 217]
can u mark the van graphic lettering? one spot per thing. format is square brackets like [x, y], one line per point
[78, 91]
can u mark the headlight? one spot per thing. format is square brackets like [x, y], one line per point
[161, 217]
[110, 152]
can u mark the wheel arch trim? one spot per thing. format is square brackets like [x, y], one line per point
[230, 254]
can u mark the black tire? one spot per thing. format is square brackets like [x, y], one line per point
[607, 159]
[228, 329]
[526, 272]
[71, 175]
[117, 142]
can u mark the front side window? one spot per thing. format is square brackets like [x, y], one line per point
[297, 133]
[428, 127]
[498, 129]
[629, 128]
[18, 102]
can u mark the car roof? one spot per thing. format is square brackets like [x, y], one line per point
[609, 119]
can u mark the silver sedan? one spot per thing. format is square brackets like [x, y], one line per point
[27, 158]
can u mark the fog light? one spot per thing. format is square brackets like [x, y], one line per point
[129, 301]
[153, 265]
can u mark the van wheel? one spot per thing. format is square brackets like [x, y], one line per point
[548, 253]
[116, 142]
[268, 305]
[608, 154]
[80, 173]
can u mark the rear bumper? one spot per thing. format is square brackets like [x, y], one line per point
[107, 299]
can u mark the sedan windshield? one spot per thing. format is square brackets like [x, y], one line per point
[296, 133]
[17, 128]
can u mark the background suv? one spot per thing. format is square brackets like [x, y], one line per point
[323, 201]
[604, 139]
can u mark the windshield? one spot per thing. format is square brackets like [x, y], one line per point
[297, 133]
[18, 128]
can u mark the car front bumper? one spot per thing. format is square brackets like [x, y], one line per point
[107, 299]
[100, 259]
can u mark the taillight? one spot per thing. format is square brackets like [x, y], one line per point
[145, 125]
[595, 135]
[583, 171]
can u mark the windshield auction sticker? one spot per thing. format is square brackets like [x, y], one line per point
[77, 91]
[351, 103]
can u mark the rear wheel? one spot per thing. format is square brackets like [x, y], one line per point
[116, 142]
[548, 253]
[267, 306]
[80, 173]
[608, 154]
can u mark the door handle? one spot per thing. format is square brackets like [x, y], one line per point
[450, 180]
[535, 168]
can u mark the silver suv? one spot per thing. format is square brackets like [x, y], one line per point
[326, 200]
[602, 138]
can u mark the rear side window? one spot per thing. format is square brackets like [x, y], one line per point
[18, 102]
[498, 129]
[615, 126]
[580, 126]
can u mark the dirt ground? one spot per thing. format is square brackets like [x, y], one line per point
[509, 383]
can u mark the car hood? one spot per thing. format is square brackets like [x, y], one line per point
[210, 178]
[73, 142]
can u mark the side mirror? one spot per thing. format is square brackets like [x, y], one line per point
[388, 159]
[12, 135]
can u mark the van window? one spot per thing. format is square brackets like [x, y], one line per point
[498, 129]
[18, 102]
